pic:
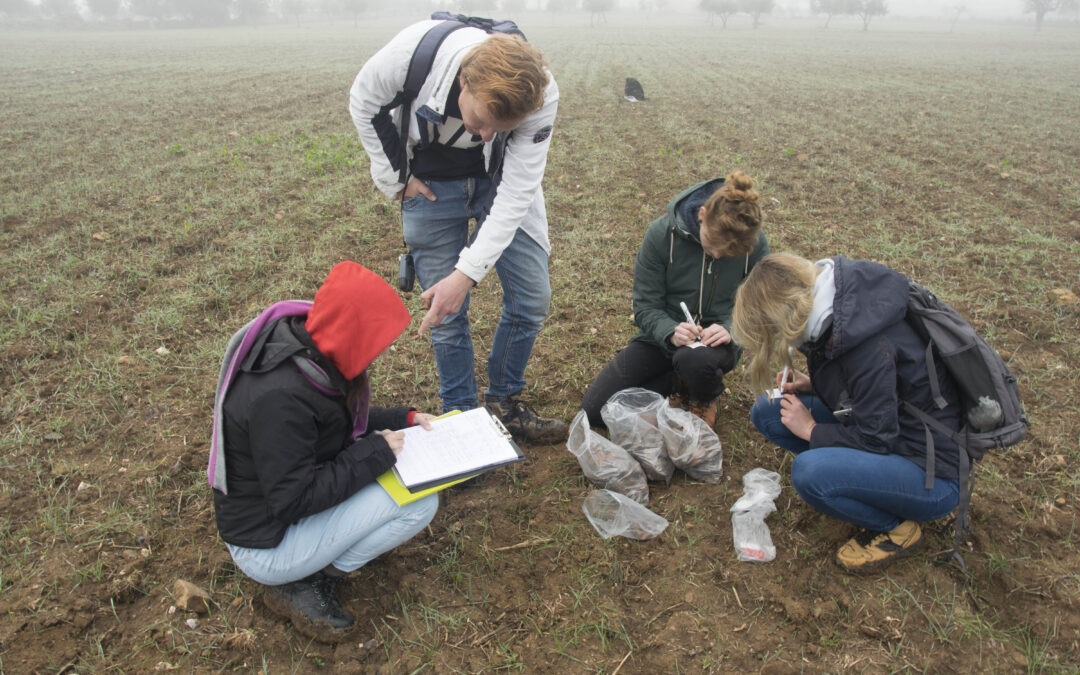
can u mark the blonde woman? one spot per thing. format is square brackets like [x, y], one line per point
[860, 457]
[697, 253]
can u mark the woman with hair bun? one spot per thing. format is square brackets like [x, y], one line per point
[860, 457]
[697, 253]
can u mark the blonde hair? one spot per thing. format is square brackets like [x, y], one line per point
[507, 75]
[772, 308]
[732, 215]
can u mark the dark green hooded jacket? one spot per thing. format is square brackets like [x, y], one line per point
[671, 267]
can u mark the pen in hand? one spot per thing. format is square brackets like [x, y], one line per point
[689, 317]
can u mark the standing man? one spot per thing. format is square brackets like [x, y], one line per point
[476, 149]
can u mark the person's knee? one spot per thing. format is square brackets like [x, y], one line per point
[422, 511]
[805, 476]
[763, 415]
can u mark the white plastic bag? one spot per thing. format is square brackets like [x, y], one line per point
[613, 514]
[753, 543]
[691, 444]
[604, 463]
[631, 419]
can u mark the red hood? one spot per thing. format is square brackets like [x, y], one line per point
[355, 316]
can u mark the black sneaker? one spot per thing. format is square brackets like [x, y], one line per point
[312, 606]
[524, 424]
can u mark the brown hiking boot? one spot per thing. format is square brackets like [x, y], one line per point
[869, 551]
[706, 411]
[524, 424]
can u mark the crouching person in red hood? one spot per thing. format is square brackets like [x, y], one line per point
[298, 506]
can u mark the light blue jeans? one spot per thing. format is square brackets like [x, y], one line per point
[436, 232]
[873, 491]
[348, 536]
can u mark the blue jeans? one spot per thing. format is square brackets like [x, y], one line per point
[348, 536]
[873, 491]
[436, 232]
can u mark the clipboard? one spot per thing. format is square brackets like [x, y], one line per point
[459, 446]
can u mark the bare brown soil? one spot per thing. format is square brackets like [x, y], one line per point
[107, 385]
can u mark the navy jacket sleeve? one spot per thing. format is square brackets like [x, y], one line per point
[868, 374]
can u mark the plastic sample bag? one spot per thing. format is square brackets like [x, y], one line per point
[604, 463]
[753, 543]
[613, 514]
[631, 419]
[691, 444]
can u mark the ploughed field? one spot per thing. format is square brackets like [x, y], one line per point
[162, 187]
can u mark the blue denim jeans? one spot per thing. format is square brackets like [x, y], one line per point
[348, 535]
[436, 232]
[873, 491]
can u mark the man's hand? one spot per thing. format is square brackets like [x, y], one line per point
[414, 187]
[444, 298]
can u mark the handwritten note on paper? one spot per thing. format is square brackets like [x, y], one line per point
[468, 442]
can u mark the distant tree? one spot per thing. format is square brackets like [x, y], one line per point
[250, 11]
[1041, 9]
[291, 9]
[868, 9]
[831, 8]
[354, 8]
[957, 11]
[597, 10]
[756, 8]
[724, 9]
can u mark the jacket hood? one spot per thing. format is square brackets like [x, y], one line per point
[355, 316]
[685, 206]
[869, 298]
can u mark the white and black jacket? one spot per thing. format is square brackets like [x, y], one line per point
[519, 201]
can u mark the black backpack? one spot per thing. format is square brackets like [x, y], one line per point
[993, 417]
[422, 59]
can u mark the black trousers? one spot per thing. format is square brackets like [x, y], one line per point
[697, 373]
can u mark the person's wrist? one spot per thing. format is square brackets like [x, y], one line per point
[810, 430]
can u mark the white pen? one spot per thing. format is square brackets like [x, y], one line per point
[783, 376]
[689, 318]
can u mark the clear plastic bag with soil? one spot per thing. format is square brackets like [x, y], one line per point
[613, 514]
[631, 419]
[604, 463]
[691, 444]
[752, 539]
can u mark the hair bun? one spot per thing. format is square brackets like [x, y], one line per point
[738, 187]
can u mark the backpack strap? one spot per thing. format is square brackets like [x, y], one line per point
[935, 385]
[966, 485]
[419, 67]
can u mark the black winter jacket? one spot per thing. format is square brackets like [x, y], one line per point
[287, 445]
[870, 360]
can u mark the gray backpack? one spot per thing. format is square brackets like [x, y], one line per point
[993, 417]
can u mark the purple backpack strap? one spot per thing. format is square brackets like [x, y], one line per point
[237, 349]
